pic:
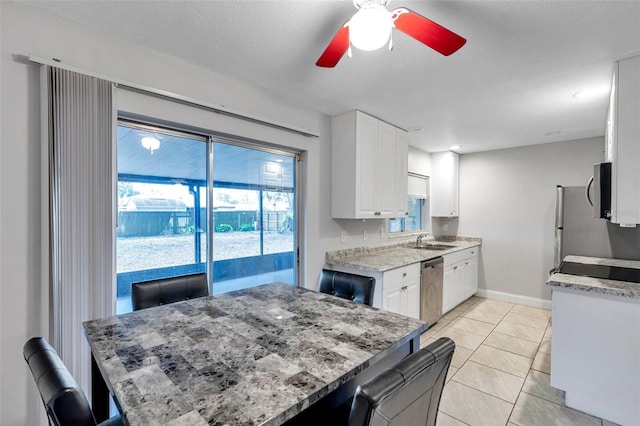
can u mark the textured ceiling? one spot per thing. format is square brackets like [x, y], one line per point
[510, 85]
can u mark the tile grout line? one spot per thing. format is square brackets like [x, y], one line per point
[474, 351]
[521, 387]
[457, 316]
[442, 412]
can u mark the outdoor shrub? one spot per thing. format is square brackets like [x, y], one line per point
[247, 227]
[224, 227]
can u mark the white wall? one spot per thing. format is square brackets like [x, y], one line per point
[507, 197]
[419, 162]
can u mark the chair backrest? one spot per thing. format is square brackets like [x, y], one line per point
[348, 286]
[408, 393]
[64, 401]
[147, 294]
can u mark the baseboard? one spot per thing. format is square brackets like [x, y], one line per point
[514, 298]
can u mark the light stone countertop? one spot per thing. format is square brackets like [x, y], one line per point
[391, 256]
[598, 285]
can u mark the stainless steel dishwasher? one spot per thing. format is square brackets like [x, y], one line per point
[431, 290]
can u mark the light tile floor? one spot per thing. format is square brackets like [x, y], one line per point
[500, 370]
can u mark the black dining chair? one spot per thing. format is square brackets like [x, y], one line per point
[64, 401]
[408, 393]
[147, 294]
[353, 287]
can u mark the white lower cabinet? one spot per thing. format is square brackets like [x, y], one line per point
[460, 277]
[470, 276]
[596, 353]
[401, 290]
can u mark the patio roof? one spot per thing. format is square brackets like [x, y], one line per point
[182, 158]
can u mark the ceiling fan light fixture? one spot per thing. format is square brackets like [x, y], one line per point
[370, 28]
[150, 143]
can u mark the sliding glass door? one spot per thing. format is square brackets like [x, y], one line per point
[245, 230]
[254, 217]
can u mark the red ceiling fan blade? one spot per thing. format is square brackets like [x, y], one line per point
[335, 50]
[426, 31]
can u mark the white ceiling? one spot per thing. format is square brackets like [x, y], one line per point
[510, 85]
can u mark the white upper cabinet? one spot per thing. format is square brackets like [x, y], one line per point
[623, 142]
[401, 173]
[368, 168]
[444, 184]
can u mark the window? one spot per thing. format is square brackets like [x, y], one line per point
[165, 208]
[417, 207]
[413, 221]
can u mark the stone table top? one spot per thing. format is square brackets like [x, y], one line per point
[248, 357]
[598, 285]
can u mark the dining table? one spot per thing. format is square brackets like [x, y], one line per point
[257, 356]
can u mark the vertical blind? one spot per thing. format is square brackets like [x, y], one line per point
[80, 122]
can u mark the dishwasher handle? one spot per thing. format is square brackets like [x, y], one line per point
[433, 263]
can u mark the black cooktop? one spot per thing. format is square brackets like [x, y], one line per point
[617, 273]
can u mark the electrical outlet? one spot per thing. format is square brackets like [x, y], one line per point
[343, 236]
[364, 235]
[381, 232]
[445, 227]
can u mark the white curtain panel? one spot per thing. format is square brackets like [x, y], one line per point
[80, 120]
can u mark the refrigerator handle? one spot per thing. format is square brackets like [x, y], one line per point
[587, 191]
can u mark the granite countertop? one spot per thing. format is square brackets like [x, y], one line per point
[598, 285]
[249, 357]
[391, 256]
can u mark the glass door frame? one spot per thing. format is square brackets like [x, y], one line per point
[256, 145]
[209, 138]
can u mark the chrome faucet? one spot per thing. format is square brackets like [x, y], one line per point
[420, 237]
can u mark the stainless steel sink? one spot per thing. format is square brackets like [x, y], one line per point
[432, 247]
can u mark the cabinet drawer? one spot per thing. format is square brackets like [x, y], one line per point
[395, 277]
[458, 256]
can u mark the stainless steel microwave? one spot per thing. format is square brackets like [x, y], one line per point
[601, 183]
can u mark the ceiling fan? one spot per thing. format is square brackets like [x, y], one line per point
[370, 28]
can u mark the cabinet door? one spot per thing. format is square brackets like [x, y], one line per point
[385, 171]
[392, 300]
[412, 299]
[458, 283]
[366, 149]
[401, 175]
[455, 184]
[444, 184]
[470, 277]
[625, 174]
[448, 289]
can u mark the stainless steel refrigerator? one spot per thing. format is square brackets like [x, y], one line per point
[577, 232]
